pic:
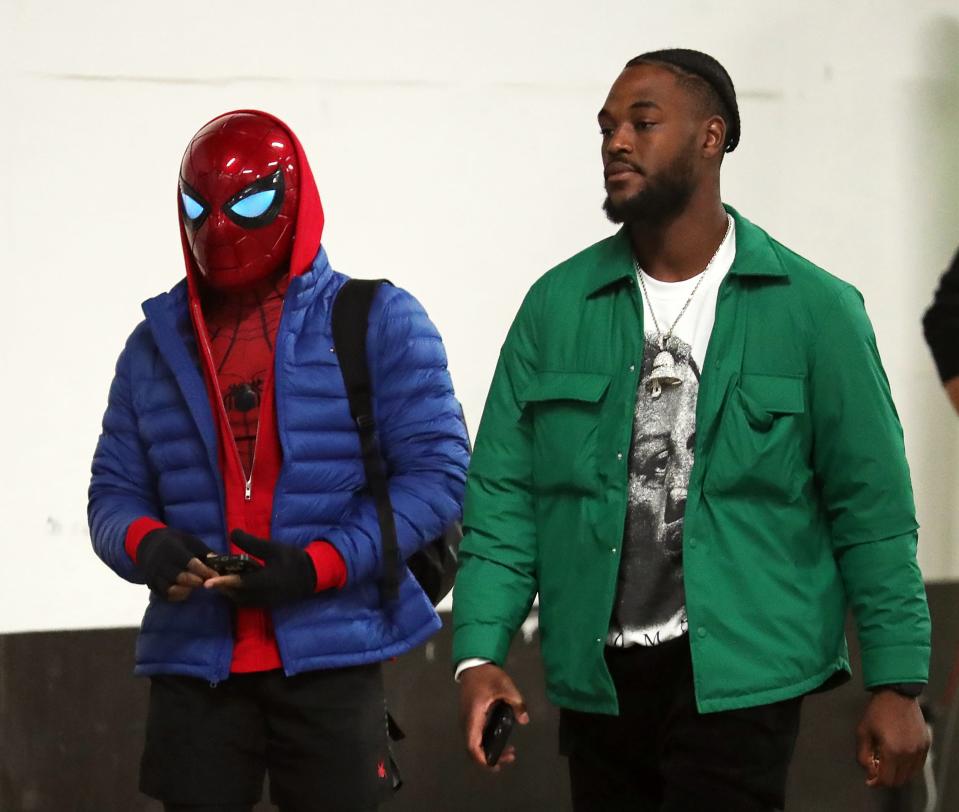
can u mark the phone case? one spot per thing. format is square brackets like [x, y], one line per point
[496, 731]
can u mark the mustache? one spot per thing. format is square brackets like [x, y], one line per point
[618, 165]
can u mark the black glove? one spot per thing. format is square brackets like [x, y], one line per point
[287, 574]
[164, 553]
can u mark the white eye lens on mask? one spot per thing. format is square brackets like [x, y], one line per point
[254, 205]
[192, 208]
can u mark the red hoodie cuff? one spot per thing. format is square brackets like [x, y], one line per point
[329, 565]
[135, 533]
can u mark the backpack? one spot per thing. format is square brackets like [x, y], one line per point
[433, 566]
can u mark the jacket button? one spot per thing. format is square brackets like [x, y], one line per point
[619, 455]
[632, 367]
[599, 639]
[613, 551]
[692, 542]
[701, 631]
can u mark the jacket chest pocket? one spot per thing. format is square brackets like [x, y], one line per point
[564, 409]
[761, 447]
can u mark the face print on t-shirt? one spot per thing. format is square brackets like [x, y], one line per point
[650, 600]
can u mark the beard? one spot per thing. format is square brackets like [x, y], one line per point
[665, 196]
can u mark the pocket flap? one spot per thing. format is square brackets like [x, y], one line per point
[584, 386]
[777, 394]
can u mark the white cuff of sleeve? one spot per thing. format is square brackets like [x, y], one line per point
[469, 662]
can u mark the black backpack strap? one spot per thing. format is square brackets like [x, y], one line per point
[351, 311]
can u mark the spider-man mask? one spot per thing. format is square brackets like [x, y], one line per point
[239, 190]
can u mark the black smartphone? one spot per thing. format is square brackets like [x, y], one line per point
[499, 724]
[231, 564]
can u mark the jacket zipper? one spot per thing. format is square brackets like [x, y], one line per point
[248, 490]
[208, 353]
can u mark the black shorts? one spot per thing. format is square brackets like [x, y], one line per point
[321, 736]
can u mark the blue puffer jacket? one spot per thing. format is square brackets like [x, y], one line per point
[157, 457]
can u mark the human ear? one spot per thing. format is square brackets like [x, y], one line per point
[714, 137]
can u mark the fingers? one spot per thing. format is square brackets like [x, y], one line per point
[893, 739]
[515, 699]
[199, 569]
[197, 574]
[865, 749]
[185, 582]
[909, 765]
[176, 594]
[230, 586]
[894, 769]
[905, 771]
[867, 754]
[503, 687]
[195, 546]
[189, 579]
[510, 694]
[476, 722]
[224, 582]
[888, 769]
[901, 771]
[893, 772]
[474, 732]
[507, 757]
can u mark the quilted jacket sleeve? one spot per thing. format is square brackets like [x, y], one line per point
[497, 581]
[421, 433]
[121, 488]
[861, 465]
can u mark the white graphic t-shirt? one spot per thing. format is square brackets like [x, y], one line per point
[650, 603]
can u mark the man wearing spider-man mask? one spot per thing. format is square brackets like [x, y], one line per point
[228, 431]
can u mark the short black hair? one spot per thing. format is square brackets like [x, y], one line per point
[704, 75]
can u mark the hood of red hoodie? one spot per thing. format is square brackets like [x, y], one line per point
[308, 219]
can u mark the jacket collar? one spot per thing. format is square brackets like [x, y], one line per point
[754, 256]
[168, 319]
[754, 250]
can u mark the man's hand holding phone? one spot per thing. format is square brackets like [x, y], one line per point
[484, 690]
[231, 564]
[172, 563]
[287, 573]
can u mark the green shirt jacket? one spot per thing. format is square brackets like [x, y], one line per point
[799, 502]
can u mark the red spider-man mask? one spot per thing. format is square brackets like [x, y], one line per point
[239, 196]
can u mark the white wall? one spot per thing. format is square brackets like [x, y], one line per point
[456, 150]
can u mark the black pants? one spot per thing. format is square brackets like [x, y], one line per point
[661, 755]
[321, 736]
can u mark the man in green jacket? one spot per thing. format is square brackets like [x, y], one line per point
[690, 453]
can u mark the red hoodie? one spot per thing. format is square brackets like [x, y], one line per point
[251, 440]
